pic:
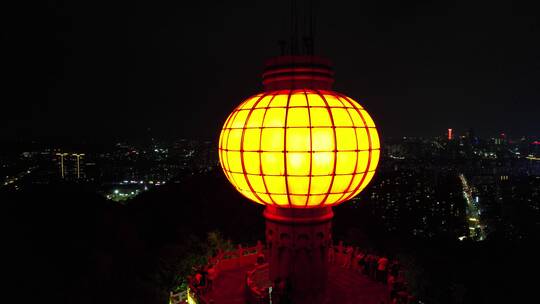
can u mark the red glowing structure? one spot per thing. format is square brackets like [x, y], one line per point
[299, 148]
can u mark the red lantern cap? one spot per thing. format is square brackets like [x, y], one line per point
[298, 72]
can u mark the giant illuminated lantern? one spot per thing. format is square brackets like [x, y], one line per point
[299, 148]
[299, 144]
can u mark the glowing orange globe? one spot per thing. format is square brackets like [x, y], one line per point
[299, 148]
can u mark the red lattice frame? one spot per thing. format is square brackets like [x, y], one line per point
[344, 100]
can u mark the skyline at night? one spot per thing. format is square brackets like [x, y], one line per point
[271, 152]
[177, 69]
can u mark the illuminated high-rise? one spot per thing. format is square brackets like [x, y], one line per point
[78, 165]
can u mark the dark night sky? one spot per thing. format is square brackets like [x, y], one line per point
[102, 70]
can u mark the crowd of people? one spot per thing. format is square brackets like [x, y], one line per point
[378, 267]
[202, 281]
[204, 278]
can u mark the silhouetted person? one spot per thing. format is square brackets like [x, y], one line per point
[360, 260]
[212, 275]
[373, 267]
[331, 254]
[347, 256]
[286, 298]
[394, 268]
[382, 267]
[339, 253]
[278, 291]
[260, 259]
[259, 247]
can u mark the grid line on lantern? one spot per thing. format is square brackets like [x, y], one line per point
[303, 134]
[300, 127]
[333, 176]
[310, 151]
[242, 150]
[295, 151]
[260, 160]
[285, 158]
[224, 160]
[301, 194]
[356, 155]
[358, 187]
[301, 175]
[252, 162]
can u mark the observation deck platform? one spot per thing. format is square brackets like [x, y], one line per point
[229, 287]
[345, 286]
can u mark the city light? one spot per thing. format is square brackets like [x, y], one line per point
[62, 167]
[190, 299]
[299, 148]
[78, 156]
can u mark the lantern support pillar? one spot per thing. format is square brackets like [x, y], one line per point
[297, 251]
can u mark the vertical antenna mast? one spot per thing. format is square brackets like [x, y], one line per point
[307, 30]
[294, 28]
[311, 46]
[301, 37]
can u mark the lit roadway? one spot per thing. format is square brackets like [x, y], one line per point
[476, 229]
[12, 180]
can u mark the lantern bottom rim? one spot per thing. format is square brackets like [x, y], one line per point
[298, 215]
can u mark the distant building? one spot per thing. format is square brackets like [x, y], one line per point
[62, 160]
[78, 165]
[71, 166]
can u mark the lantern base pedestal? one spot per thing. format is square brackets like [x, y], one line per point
[297, 243]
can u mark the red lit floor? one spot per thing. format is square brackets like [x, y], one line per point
[347, 286]
[229, 287]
